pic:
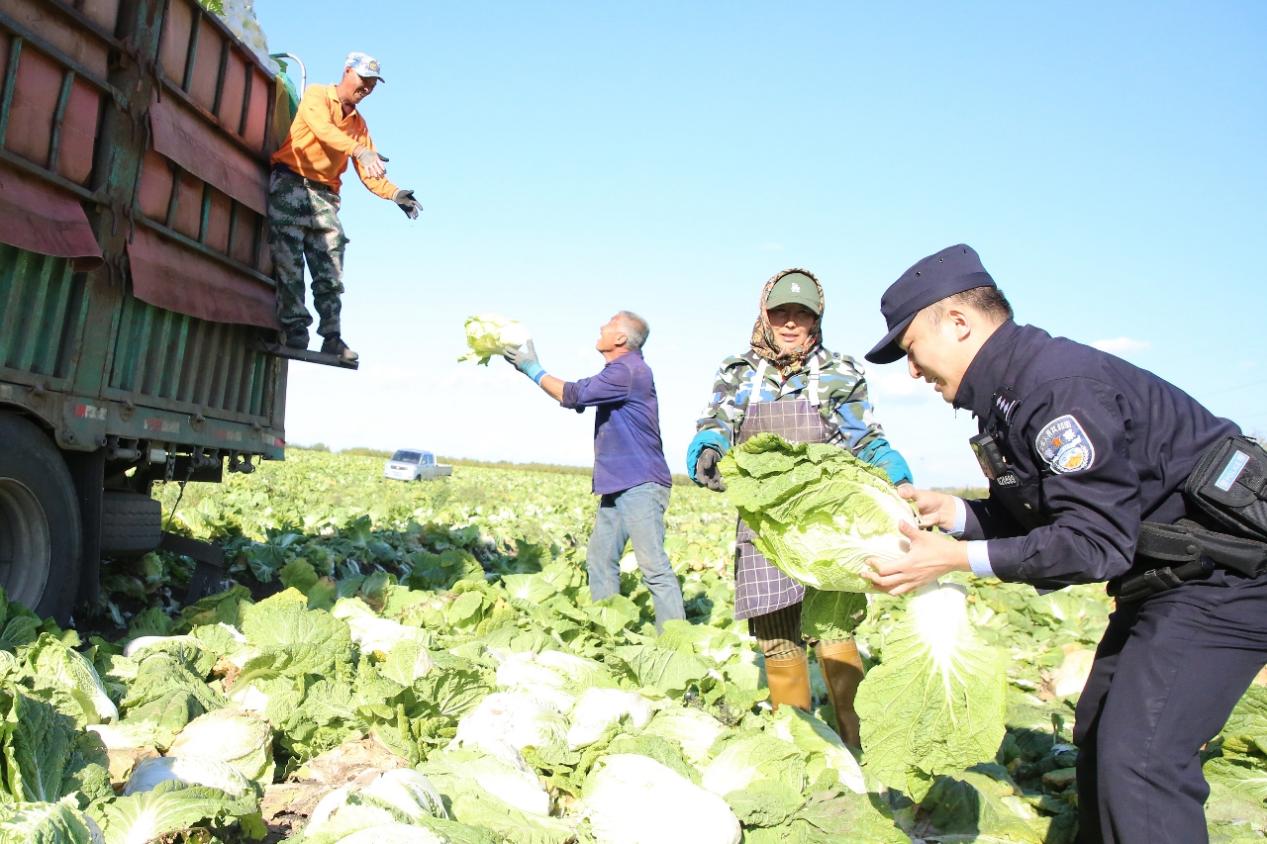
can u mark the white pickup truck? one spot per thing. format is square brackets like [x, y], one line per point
[414, 464]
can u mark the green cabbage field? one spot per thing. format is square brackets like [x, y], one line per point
[393, 662]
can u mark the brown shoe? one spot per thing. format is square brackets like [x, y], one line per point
[842, 672]
[788, 679]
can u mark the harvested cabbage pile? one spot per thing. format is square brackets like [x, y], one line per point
[818, 512]
[239, 17]
[490, 335]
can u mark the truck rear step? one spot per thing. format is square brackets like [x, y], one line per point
[307, 356]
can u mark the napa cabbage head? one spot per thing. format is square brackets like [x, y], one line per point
[394, 795]
[693, 730]
[70, 677]
[492, 334]
[474, 778]
[236, 737]
[746, 758]
[822, 748]
[376, 635]
[598, 709]
[937, 702]
[169, 807]
[48, 823]
[630, 799]
[192, 770]
[516, 719]
[818, 513]
[554, 678]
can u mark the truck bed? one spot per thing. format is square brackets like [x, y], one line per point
[134, 270]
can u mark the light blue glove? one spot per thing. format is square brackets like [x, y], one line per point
[524, 358]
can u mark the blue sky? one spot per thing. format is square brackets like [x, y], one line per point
[574, 159]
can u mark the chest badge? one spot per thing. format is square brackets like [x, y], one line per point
[1065, 446]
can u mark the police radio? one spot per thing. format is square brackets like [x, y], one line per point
[989, 455]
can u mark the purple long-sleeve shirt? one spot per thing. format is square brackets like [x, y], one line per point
[627, 447]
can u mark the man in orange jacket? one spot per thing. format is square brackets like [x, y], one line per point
[303, 200]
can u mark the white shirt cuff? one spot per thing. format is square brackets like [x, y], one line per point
[979, 558]
[961, 518]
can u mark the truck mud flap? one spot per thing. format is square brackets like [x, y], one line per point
[209, 572]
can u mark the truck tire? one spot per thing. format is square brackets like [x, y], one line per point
[131, 523]
[40, 531]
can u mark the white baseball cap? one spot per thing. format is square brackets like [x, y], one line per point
[364, 65]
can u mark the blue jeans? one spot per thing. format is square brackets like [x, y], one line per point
[637, 515]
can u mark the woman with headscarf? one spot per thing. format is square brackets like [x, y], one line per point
[789, 384]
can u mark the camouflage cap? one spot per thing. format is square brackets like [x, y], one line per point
[364, 65]
[795, 288]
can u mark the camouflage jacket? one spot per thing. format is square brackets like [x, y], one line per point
[842, 397]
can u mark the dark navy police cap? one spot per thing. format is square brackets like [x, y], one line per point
[952, 270]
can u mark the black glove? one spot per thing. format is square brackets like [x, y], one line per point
[706, 472]
[405, 199]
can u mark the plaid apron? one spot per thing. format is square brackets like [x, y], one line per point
[760, 588]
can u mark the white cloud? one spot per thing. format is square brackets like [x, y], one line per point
[1121, 345]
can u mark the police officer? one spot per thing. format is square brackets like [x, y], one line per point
[1080, 449]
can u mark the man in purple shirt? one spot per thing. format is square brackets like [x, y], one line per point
[630, 475]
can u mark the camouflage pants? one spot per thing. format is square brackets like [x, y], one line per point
[303, 223]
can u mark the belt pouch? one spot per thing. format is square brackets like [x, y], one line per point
[1228, 487]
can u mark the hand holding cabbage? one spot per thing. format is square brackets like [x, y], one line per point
[524, 359]
[930, 555]
[936, 509]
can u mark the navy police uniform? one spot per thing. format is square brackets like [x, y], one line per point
[1088, 448]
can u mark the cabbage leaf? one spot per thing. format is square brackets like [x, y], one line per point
[47, 823]
[936, 704]
[818, 512]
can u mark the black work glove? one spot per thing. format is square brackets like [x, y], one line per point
[706, 472]
[405, 200]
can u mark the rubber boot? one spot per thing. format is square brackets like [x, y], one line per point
[788, 678]
[842, 672]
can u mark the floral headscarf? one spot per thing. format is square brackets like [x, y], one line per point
[764, 343]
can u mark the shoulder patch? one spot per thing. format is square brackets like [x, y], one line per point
[1065, 446]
